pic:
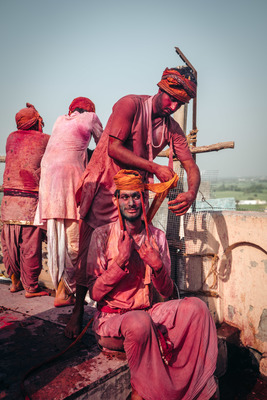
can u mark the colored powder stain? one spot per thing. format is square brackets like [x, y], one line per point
[231, 312]
[262, 329]
[6, 320]
[253, 264]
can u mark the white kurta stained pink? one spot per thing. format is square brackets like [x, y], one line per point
[63, 164]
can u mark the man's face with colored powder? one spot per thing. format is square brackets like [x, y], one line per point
[164, 104]
[130, 205]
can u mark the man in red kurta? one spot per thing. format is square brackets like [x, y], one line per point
[137, 130]
[171, 347]
[21, 241]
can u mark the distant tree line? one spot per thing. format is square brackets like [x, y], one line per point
[254, 187]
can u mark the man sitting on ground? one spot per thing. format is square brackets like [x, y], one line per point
[174, 343]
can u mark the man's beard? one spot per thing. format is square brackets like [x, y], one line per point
[131, 218]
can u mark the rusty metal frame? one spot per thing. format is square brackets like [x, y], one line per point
[185, 60]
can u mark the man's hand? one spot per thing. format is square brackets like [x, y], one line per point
[149, 253]
[125, 247]
[182, 203]
[163, 173]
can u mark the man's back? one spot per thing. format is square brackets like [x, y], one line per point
[24, 151]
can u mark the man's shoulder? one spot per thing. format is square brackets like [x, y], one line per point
[105, 230]
[28, 136]
[132, 98]
[156, 231]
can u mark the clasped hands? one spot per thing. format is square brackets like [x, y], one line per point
[148, 252]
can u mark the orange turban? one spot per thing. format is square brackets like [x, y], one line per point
[27, 117]
[132, 180]
[82, 102]
[181, 85]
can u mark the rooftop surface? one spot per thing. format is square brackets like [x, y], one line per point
[31, 332]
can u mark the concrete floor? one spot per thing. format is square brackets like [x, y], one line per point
[31, 332]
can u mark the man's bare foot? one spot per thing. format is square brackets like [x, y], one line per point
[134, 395]
[39, 293]
[74, 326]
[16, 285]
[68, 300]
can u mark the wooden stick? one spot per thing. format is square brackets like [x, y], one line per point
[203, 149]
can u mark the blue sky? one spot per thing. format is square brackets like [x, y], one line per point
[55, 50]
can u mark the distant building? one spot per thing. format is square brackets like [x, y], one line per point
[251, 202]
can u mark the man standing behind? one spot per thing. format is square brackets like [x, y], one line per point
[61, 169]
[174, 343]
[21, 240]
[139, 127]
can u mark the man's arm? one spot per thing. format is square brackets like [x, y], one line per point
[122, 119]
[183, 201]
[160, 263]
[101, 280]
[97, 129]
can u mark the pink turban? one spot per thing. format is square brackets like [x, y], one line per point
[27, 117]
[82, 102]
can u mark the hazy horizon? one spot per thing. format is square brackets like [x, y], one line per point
[54, 51]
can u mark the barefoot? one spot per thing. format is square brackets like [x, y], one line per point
[39, 293]
[16, 288]
[69, 300]
[74, 326]
[134, 395]
[16, 285]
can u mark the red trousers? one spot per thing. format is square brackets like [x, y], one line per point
[22, 253]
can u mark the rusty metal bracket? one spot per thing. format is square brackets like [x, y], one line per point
[185, 60]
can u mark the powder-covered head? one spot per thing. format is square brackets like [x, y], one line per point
[179, 83]
[83, 103]
[27, 117]
[127, 179]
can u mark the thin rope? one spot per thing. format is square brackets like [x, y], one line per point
[22, 386]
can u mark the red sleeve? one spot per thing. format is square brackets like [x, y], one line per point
[180, 146]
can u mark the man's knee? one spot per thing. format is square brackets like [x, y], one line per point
[137, 326]
[195, 306]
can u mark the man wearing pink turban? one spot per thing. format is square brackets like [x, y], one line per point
[62, 166]
[21, 240]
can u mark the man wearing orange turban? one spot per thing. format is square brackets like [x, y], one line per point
[174, 342]
[138, 129]
[21, 240]
[62, 166]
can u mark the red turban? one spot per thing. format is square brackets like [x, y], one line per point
[82, 102]
[27, 117]
[177, 85]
